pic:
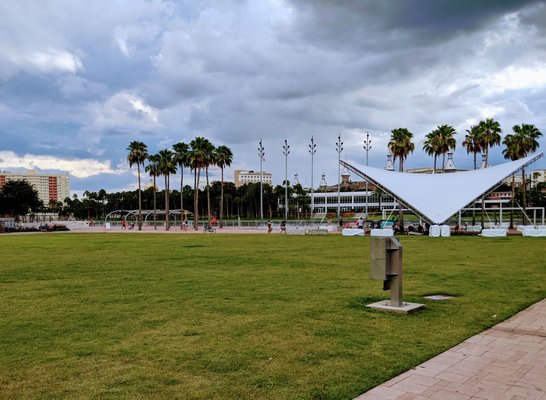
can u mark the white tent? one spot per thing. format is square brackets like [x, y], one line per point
[436, 197]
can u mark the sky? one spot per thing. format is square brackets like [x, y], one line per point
[81, 80]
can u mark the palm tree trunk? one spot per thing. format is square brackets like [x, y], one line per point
[400, 211]
[155, 206]
[524, 200]
[167, 219]
[443, 162]
[222, 197]
[512, 201]
[139, 200]
[434, 170]
[474, 205]
[195, 199]
[208, 192]
[181, 191]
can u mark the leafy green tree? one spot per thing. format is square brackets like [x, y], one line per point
[18, 197]
[223, 157]
[138, 153]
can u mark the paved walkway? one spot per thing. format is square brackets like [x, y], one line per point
[507, 361]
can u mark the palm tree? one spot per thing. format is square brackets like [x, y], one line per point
[209, 161]
[431, 146]
[153, 169]
[223, 158]
[527, 138]
[512, 152]
[440, 141]
[167, 167]
[489, 136]
[138, 153]
[447, 141]
[196, 160]
[181, 151]
[471, 142]
[400, 146]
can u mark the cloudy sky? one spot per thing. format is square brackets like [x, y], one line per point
[80, 80]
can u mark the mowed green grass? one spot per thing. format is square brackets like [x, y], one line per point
[144, 316]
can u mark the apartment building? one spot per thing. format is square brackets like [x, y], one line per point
[49, 186]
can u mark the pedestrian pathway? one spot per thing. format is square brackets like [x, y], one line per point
[506, 362]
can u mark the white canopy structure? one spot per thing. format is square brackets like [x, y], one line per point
[436, 197]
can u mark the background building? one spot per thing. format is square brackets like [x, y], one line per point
[243, 177]
[49, 187]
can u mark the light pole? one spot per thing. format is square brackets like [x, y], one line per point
[261, 154]
[339, 149]
[312, 151]
[367, 147]
[285, 151]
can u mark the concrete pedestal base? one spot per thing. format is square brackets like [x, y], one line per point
[405, 308]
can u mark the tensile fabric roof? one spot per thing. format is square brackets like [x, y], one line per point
[436, 197]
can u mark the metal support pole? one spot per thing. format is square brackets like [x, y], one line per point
[286, 151]
[339, 149]
[312, 151]
[367, 147]
[261, 154]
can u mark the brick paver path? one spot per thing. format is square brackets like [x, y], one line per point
[505, 362]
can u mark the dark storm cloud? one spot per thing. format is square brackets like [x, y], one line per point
[382, 25]
[83, 80]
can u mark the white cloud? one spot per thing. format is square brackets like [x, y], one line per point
[515, 77]
[80, 168]
[124, 111]
[55, 60]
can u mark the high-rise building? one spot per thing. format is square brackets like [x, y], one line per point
[49, 186]
[242, 177]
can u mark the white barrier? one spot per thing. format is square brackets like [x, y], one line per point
[382, 232]
[532, 232]
[445, 230]
[352, 232]
[493, 232]
[434, 231]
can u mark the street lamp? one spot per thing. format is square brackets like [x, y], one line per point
[285, 151]
[339, 149]
[261, 154]
[312, 151]
[367, 147]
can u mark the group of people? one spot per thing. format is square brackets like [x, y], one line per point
[282, 226]
[126, 225]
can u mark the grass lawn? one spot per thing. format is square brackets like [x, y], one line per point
[128, 316]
